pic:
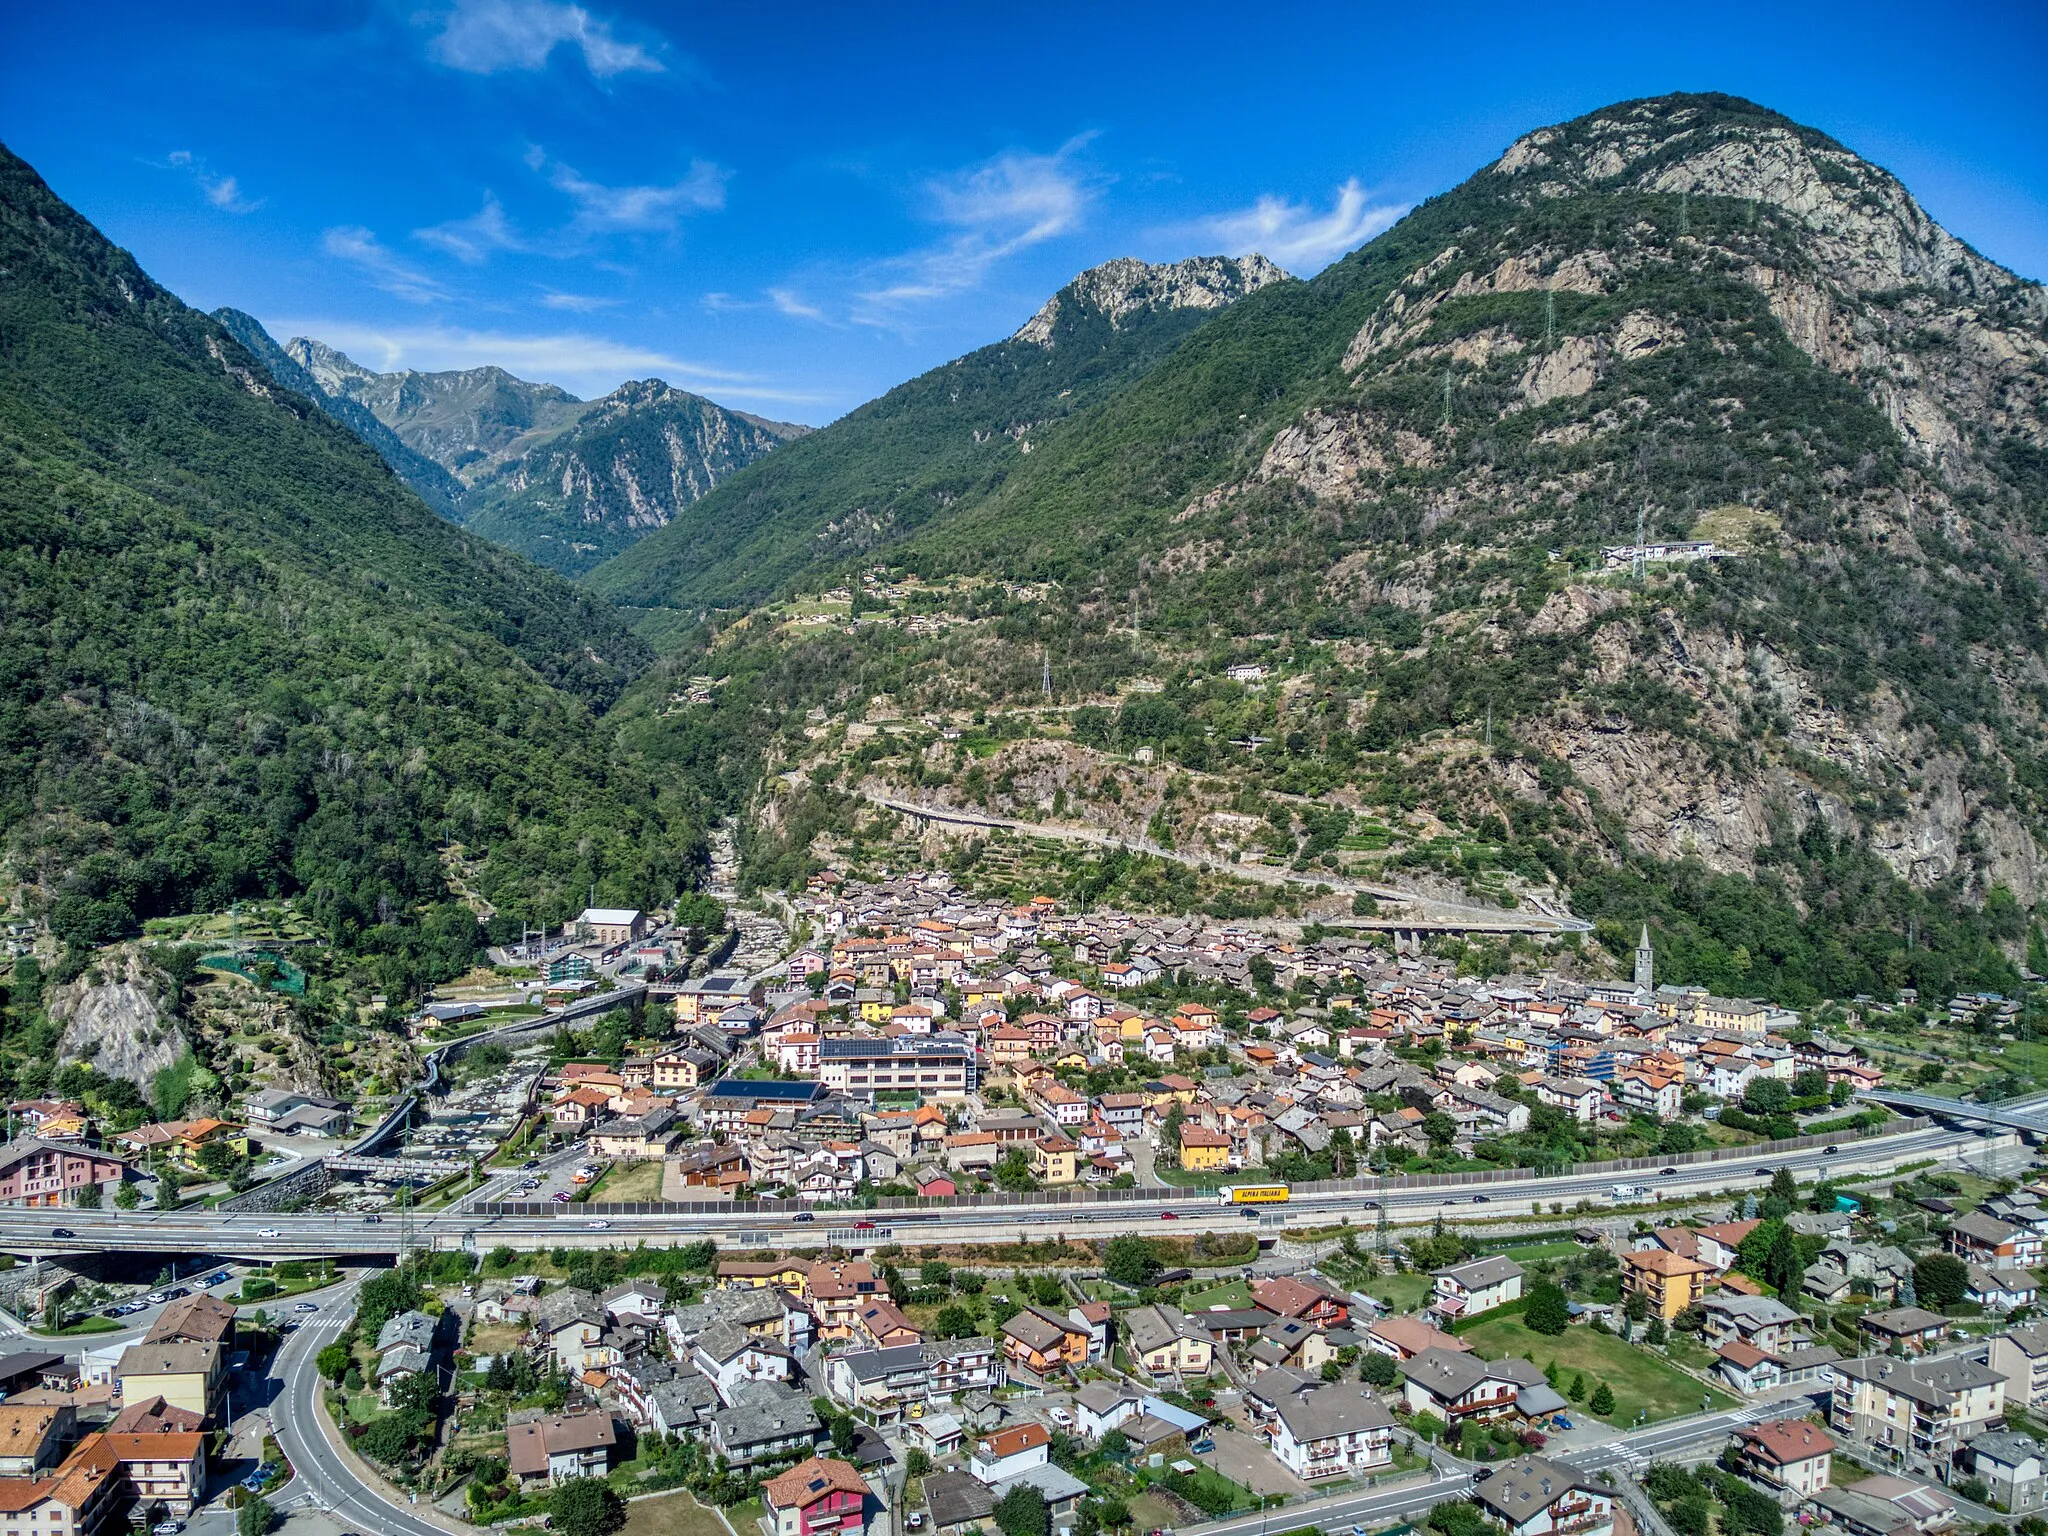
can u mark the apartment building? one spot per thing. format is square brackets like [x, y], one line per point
[1916, 1412]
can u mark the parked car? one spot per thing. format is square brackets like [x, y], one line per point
[219, 1277]
[1060, 1416]
[166, 1528]
[562, 1196]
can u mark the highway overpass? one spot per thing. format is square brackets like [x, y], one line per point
[2027, 1117]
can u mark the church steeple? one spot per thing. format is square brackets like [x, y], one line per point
[1646, 962]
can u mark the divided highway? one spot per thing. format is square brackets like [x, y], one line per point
[258, 1236]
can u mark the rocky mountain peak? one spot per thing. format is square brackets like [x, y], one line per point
[1126, 286]
[335, 371]
[1861, 223]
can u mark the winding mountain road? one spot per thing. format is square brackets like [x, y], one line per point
[1432, 914]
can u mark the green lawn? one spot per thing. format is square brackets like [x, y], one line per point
[1534, 1251]
[1639, 1380]
[1234, 1293]
[630, 1181]
[1401, 1293]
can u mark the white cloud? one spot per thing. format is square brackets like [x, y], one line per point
[997, 208]
[1300, 238]
[471, 240]
[483, 37]
[222, 192]
[589, 365]
[355, 244]
[580, 303]
[599, 207]
[789, 304]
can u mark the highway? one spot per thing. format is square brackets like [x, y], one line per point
[253, 1235]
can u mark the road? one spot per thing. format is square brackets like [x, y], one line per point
[1431, 912]
[319, 1470]
[256, 1236]
[1620, 1453]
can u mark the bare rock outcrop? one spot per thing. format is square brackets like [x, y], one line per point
[116, 1017]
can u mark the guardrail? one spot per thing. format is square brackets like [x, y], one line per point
[909, 1205]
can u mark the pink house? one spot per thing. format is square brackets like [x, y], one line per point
[814, 1497]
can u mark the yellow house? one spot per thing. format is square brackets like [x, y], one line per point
[1671, 1282]
[1053, 1160]
[758, 1274]
[1203, 1151]
[876, 1009]
[184, 1374]
[198, 1134]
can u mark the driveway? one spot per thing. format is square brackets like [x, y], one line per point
[1243, 1458]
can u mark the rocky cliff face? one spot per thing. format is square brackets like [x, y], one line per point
[625, 468]
[1119, 289]
[565, 482]
[1697, 317]
[116, 1018]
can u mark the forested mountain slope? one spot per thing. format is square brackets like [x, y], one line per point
[436, 487]
[1817, 760]
[240, 657]
[944, 439]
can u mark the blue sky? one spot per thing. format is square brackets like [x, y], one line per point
[791, 208]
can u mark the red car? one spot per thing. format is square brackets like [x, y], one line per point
[1169, 1215]
[863, 1226]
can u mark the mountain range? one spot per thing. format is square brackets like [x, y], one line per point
[1655, 522]
[1419, 478]
[242, 658]
[563, 481]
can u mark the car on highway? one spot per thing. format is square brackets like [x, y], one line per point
[1370, 1205]
[1829, 1151]
[863, 1226]
[803, 1216]
[531, 1162]
[372, 1220]
[306, 1306]
[1169, 1215]
[598, 1225]
[62, 1232]
[1667, 1173]
[1763, 1173]
[1481, 1199]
